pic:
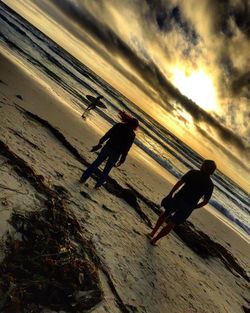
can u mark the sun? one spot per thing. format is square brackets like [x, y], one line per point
[197, 86]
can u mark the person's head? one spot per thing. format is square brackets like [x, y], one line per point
[133, 123]
[208, 166]
[99, 97]
[129, 120]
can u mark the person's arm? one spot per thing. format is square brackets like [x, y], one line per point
[125, 152]
[202, 203]
[176, 187]
[206, 197]
[107, 135]
[103, 139]
[182, 181]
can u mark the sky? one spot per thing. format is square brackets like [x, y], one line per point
[186, 63]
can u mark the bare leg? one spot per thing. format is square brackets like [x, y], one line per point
[160, 221]
[165, 230]
[89, 108]
[86, 110]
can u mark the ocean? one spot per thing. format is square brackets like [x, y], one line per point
[40, 52]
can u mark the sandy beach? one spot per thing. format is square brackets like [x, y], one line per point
[202, 267]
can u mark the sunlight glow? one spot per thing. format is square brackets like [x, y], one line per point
[197, 86]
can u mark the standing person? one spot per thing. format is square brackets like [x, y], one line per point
[196, 184]
[119, 140]
[92, 105]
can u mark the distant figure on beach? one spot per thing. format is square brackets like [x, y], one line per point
[196, 184]
[119, 140]
[93, 104]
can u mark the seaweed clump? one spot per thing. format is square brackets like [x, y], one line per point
[47, 263]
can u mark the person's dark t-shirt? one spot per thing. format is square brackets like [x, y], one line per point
[197, 185]
[120, 138]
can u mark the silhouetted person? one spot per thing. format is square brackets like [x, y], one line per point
[92, 105]
[119, 140]
[196, 184]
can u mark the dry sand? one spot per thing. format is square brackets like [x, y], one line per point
[168, 278]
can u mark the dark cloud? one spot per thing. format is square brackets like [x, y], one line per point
[151, 72]
[170, 17]
[241, 15]
[241, 84]
[225, 150]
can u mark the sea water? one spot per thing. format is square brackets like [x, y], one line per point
[27, 42]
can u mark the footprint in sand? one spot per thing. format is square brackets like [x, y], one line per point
[2, 82]
[19, 97]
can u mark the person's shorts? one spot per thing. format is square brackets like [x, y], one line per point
[177, 210]
[168, 204]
